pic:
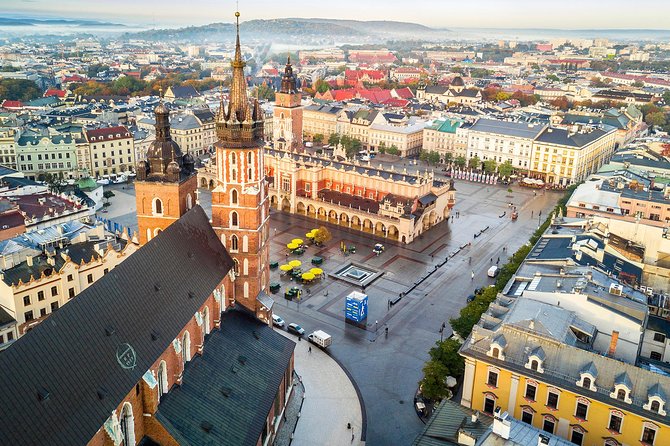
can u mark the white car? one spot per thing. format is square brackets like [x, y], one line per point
[277, 321]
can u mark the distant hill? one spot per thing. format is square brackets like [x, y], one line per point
[9, 21]
[294, 28]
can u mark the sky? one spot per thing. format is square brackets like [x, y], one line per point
[561, 14]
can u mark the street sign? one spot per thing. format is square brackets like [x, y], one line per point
[356, 307]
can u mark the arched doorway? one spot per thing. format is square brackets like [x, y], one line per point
[286, 205]
[300, 208]
[379, 229]
[332, 216]
[273, 201]
[311, 210]
[211, 184]
[392, 232]
[367, 225]
[203, 182]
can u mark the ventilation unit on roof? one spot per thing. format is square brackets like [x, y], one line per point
[616, 289]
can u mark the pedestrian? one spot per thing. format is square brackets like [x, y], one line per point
[498, 261]
[386, 332]
[310, 349]
[473, 275]
[531, 214]
[491, 259]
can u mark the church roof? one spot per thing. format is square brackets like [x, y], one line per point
[231, 386]
[65, 377]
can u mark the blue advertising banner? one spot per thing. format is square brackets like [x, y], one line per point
[356, 306]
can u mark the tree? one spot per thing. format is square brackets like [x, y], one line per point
[638, 84]
[474, 162]
[655, 119]
[107, 195]
[318, 138]
[460, 161]
[393, 150]
[354, 147]
[334, 139]
[666, 97]
[55, 183]
[490, 166]
[434, 382]
[505, 169]
[448, 157]
[553, 78]
[18, 90]
[433, 157]
[423, 155]
[444, 361]
[264, 91]
[322, 235]
[321, 86]
[561, 103]
[382, 147]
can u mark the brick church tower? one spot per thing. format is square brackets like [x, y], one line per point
[166, 182]
[240, 205]
[287, 119]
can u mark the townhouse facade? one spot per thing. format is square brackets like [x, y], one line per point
[108, 151]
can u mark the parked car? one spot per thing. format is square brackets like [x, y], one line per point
[493, 271]
[470, 298]
[277, 321]
[295, 329]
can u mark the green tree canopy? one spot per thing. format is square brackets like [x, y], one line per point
[460, 161]
[505, 169]
[490, 166]
[318, 138]
[474, 162]
[18, 90]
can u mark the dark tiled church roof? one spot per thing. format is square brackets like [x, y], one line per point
[62, 380]
[229, 390]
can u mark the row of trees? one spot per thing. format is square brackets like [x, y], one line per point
[444, 358]
[131, 86]
[351, 145]
[489, 166]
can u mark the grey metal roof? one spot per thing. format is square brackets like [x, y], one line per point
[71, 361]
[508, 128]
[443, 426]
[564, 138]
[232, 385]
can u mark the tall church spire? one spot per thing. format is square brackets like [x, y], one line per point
[242, 124]
[237, 108]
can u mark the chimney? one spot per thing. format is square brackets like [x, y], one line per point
[475, 417]
[542, 440]
[29, 260]
[613, 342]
[51, 261]
[501, 424]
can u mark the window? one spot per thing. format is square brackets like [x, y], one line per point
[162, 379]
[186, 347]
[552, 400]
[43, 312]
[106, 270]
[531, 390]
[615, 422]
[648, 435]
[586, 383]
[54, 291]
[621, 395]
[70, 293]
[659, 337]
[234, 221]
[495, 352]
[127, 425]
[534, 364]
[576, 437]
[10, 336]
[489, 405]
[28, 316]
[581, 410]
[70, 278]
[492, 379]
[548, 425]
[158, 206]
[54, 306]
[26, 299]
[655, 356]
[234, 243]
[89, 278]
[233, 196]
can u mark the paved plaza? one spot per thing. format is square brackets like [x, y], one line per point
[387, 369]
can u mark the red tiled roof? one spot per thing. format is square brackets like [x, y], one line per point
[55, 92]
[11, 104]
[395, 102]
[74, 78]
[108, 133]
[31, 206]
[404, 93]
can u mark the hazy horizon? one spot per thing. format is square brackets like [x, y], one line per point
[484, 14]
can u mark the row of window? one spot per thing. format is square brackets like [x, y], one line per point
[46, 156]
[10, 337]
[104, 154]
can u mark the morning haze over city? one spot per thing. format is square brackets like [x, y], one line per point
[353, 223]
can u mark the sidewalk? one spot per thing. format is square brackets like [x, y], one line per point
[330, 400]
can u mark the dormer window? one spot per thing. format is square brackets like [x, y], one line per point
[497, 348]
[535, 360]
[622, 388]
[587, 377]
[656, 401]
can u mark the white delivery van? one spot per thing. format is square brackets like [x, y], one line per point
[493, 271]
[320, 338]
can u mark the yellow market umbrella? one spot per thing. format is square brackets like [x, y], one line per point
[316, 271]
[309, 235]
[292, 246]
[297, 241]
[295, 263]
[308, 276]
[285, 268]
